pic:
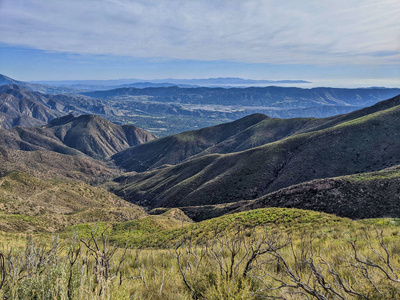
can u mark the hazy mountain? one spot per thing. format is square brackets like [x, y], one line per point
[170, 110]
[272, 97]
[337, 150]
[20, 107]
[141, 83]
[4, 80]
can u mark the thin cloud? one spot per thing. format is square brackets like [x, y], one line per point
[271, 31]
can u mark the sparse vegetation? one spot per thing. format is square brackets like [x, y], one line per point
[338, 259]
[64, 236]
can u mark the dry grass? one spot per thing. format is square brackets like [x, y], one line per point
[253, 262]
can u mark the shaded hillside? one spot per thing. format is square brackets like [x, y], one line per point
[28, 203]
[95, 136]
[176, 148]
[19, 107]
[86, 134]
[358, 196]
[366, 195]
[246, 133]
[365, 144]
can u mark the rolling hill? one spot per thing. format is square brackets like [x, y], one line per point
[246, 133]
[338, 150]
[28, 203]
[177, 148]
[52, 165]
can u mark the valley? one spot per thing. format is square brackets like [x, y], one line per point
[171, 109]
[258, 185]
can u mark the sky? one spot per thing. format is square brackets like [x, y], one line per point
[345, 43]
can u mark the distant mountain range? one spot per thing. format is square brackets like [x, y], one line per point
[35, 87]
[263, 97]
[21, 106]
[168, 110]
[97, 85]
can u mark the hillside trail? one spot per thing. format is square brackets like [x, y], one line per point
[55, 189]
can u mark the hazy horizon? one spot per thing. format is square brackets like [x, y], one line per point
[338, 44]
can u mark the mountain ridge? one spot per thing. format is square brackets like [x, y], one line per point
[85, 134]
[173, 149]
[339, 150]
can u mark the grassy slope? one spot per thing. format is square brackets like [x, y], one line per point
[176, 148]
[243, 134]
[339, 150]
[28, 203]
[49, 164]
[157, 231]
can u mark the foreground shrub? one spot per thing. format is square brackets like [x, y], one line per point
[246, 263]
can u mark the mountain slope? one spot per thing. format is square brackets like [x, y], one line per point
[53, 165]
[95, 136]
[86, 134]
[176, 148]
[357, 196]
[218, 178]
[28, 203]
[21, 108]
[243, 134]
[366, 195]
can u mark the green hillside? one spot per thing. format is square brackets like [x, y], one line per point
[361, 145]
[161, 231]
[177, 148]
[248, 132]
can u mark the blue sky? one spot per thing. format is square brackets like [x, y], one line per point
[335, 43]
